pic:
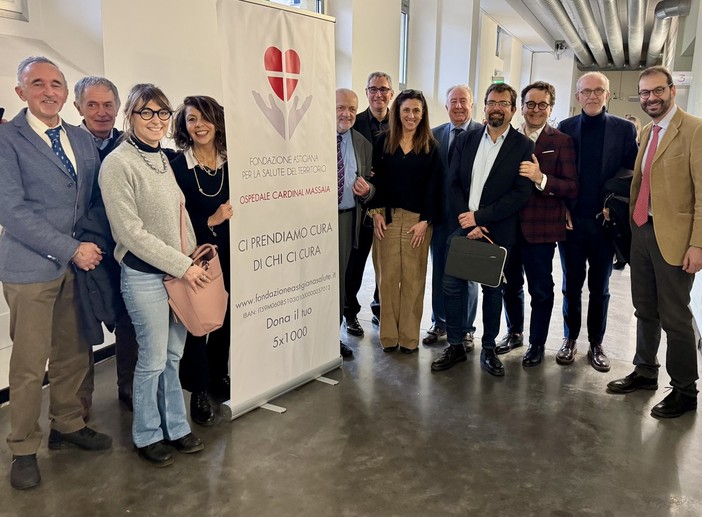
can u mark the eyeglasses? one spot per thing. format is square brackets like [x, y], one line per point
[501, 104]
[148, 113]
[599, 92]
[645, 94]
[543, 106]
[374, 89]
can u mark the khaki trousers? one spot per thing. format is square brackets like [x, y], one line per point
[401, 272]
[44, 326]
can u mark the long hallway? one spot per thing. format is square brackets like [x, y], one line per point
[394, 439]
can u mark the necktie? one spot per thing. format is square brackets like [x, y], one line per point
[641, 208]
[456, 131]
[340, 169]
[58, 150]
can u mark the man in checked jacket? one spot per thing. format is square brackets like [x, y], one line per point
[542, 223]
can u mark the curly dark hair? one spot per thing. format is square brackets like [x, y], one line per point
[211, 111]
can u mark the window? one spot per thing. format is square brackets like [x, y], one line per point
[404, 37]
[316, 6]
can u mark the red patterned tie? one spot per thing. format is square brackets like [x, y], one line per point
[340, 169]
[641, 207]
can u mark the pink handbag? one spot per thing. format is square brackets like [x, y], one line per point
[204, 311]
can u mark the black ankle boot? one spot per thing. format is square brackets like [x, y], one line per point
[200, 409]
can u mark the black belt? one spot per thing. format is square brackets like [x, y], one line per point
[346, 210]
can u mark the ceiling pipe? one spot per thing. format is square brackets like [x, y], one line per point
[570, 34]
[637, 18]
[661, 26]
[613, 31]
[592, 34]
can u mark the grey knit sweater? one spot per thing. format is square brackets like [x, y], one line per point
[143, 207]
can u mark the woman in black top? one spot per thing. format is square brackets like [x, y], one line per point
[201, 171]
[408, 199]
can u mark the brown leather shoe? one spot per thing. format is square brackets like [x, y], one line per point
[566, 355]
[597, 358]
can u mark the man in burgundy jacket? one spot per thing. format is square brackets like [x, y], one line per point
[542, 223]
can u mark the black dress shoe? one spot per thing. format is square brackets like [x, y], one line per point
[433, 335]
[375, 320]
[353, 327]
[390, 349]
[188, 444]
[406, 350]
[25, 472]
[533, 356]
[158, 454]
[675, 404]
[619, 266]
[452, 354]
[201, 410]
[597, 358]
[345, 350]
[468, 341]
[85, 438]
[509, 342]
[491, 363]
[632, 382]
[566, 355]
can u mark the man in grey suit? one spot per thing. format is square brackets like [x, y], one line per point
[47, 170]
[353, 156]
[459, 105]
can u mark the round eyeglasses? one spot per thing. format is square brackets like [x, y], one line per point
[148, 113]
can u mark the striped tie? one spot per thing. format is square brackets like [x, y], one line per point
[340, 169]
[58, 150]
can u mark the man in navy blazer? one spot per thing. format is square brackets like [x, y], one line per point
[604, 144]
[542, 224]
[370, 123]
[47, 182]
[485, 197]
[459, 105]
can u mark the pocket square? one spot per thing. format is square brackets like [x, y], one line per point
[550, 151]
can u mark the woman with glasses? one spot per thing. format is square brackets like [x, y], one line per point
[408, 198]
[143, 203]
[201, 171]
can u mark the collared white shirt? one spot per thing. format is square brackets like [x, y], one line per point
[484, 160]
[40, 129]
[192, 162]
[350, 168]
[534, 136]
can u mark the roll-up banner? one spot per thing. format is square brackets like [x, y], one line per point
[279, 98]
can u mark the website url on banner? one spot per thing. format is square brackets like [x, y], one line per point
[270, 295]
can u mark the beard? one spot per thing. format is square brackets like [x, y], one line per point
[496, 119]
[657, 108]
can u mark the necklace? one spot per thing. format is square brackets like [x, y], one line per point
[208, 170]
[199, 187]
[164, 163]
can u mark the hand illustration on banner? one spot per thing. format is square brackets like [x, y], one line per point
[283, 72]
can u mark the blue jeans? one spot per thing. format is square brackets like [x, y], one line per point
[439, 249]
[159, 407]
[536, 262]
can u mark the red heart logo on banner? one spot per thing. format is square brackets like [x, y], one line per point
[279, 67]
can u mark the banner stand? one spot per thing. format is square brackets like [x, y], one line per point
[231, 412]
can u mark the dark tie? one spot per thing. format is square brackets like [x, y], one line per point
[641, 207]
[58, 150]
[456, 132]
[340, 169]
